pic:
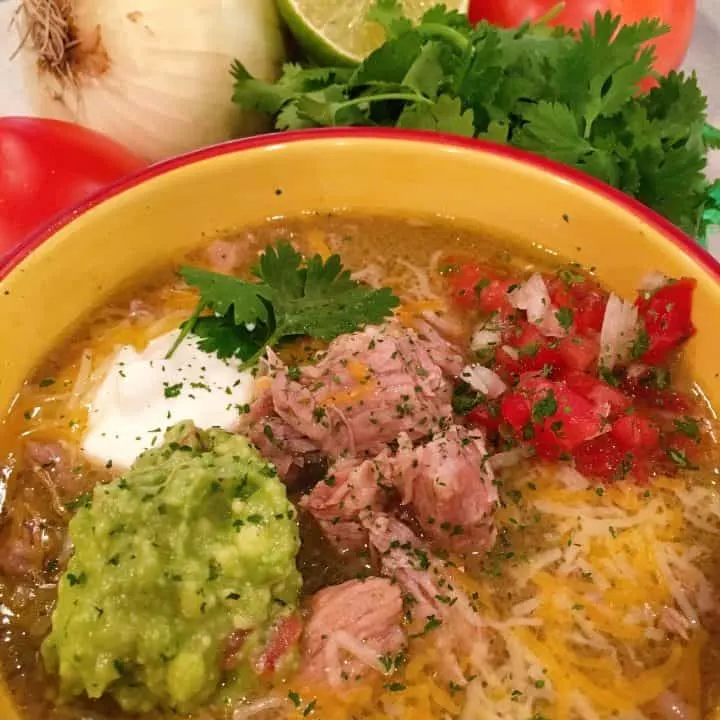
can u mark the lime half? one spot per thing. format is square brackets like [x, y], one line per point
[335, 32]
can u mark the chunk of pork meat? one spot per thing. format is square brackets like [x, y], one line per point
[368, 388]
[450, 488]
[445, 481]
[351, 488]
[22, 547]
[277, 441]
[54, 464]
[431, 597]
[350, 627]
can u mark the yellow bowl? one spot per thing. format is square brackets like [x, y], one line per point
[156, 216]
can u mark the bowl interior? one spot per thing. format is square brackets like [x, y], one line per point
[168, 209]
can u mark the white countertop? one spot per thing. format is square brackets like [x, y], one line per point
[704, 57]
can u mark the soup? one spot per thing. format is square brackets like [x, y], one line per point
[459, 483]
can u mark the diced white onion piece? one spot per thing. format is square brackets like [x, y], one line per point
[619, 331]
[533, 297]
[483, 380]
[511, 352]
[485, 337]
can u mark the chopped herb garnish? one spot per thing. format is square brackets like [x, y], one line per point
[688, 426]
[394, 687]
[545, 407]
[172, 391]
[640, 345]
[565, 317]
[680, 459]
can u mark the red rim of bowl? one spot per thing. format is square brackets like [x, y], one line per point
[648, 216]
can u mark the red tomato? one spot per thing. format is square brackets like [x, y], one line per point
[602, 457]
[282, 637]
[598, 392]
[463, 283]
[586, 299]
[636, 433]
[47, 166]
[562, 419]
[589, 311]
[515, 410]
[670, 48]
[485, 415]
[577, 352]
[667, 314]
[534, 351]
[493, 297]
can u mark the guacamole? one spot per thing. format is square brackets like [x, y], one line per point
[197, 541]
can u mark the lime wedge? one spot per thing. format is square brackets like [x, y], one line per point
[335, 32]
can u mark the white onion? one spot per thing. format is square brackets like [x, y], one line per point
[619, 330]
[533, 297]
[483, 339]
[484, 380]
[653, 281]
[152, 74]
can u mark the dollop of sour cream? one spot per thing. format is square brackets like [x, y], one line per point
[144, 393]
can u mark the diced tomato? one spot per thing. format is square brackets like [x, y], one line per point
[584, 296]
[485, 415]
[464, 284]
[635, 432]
[598, 392]
[534, 351]
[667, 314]
[590, 311]
[493, 298]
[648, 395]
[578, 352]
[282, 638]
[603, 457]
[562, 419]
[515, 410]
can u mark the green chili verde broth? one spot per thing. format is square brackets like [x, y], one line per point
[386, 251]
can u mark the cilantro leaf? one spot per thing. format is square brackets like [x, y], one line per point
[445, 115]
[220, 335]
[711, 136]
[389, 15]
[292, 296]
[569, 96]
[223, 294]
[320, 299]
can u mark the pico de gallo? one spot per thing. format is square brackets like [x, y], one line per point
[572, 372]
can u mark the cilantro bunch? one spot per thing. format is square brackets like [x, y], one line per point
[291, 297]
[572, 98]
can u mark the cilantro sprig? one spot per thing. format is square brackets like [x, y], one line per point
[292, 296]
[570, 97]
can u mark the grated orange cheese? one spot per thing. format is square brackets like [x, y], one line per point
[409, 311]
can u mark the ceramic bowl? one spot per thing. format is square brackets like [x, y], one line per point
[152, 218]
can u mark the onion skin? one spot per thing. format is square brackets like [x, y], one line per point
[154, 75]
